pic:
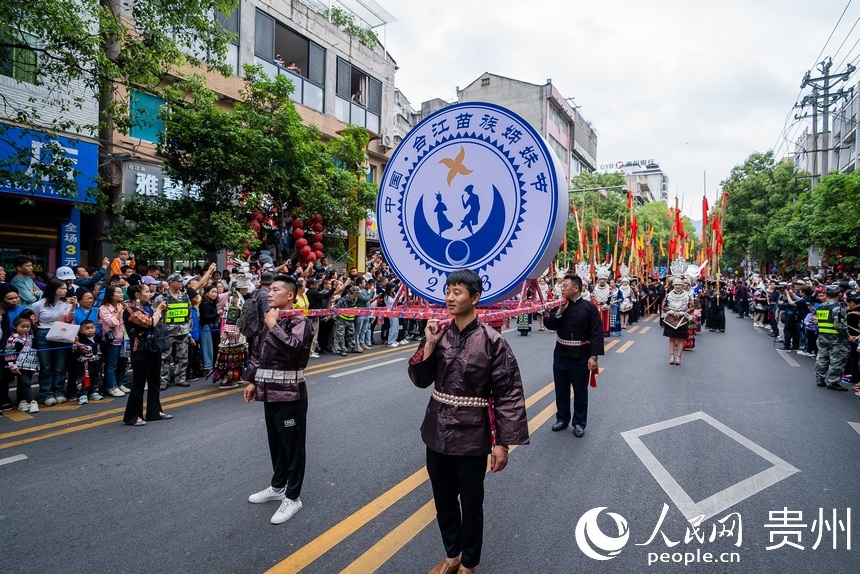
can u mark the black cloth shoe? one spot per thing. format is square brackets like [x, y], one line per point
[183, 384]
[836, 388]
[578, 430]
[559, 426]
[820, 384]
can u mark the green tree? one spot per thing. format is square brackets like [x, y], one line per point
[831, 217]
[757, 215]
[259, 156]
[84, 50]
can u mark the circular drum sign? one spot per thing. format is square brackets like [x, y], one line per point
[473, 186]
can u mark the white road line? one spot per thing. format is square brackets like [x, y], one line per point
[367, 368]
[788, 358]
[722, 500]
[855, 426]
[11, 459]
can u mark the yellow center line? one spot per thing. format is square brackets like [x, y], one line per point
[625, 346]
[633, 329]
[645, 330]
[389, 545]
[20, 416]
[314, 549]
[110, 420]
[611, 344]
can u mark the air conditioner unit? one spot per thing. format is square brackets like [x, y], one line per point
[385, 143]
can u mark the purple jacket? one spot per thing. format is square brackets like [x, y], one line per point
[279, 353]
[474, 362]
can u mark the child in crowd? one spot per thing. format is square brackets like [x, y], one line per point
[86, 364]
[22, 362]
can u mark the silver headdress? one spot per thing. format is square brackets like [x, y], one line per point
[583, 269]
[603, 271]
[242, 276]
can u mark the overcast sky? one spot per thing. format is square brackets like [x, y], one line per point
[695, 85]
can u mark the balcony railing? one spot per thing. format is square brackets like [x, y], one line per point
[306, 92]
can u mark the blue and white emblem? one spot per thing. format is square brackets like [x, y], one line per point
[473, 186]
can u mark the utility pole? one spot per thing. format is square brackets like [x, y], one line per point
[821, 99]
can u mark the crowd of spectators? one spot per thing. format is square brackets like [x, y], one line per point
[96, 299]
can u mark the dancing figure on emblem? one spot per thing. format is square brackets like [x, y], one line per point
[677, 307]
[473, 205]
[441, 218]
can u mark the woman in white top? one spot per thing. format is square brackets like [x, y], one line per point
[52, 307]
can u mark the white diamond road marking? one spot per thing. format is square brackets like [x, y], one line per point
[12, 459]
[855, 426]
[722, 500]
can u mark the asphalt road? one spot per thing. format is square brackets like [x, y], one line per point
[738, 434]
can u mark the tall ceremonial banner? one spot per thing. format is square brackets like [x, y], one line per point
[473, 186]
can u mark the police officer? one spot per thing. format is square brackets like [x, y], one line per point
[833, 346]
[178, 321]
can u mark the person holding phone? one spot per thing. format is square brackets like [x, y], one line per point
[52, 307]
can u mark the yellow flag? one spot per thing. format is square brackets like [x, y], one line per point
[662, 251]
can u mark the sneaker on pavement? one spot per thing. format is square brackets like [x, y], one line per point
[343, 353]
[50, 401]
[394, 344]
[96, 396]
[124, 389]
[358, 350]
[34, 407]
[228, 385]
[83, 400]
[286, 511]
[404, 342]
[268, 494]
[315, 356]
[60, 399]
[115, 392]
[24, 407]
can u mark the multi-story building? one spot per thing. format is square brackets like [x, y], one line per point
[570, 136]
[844, 154]
[48, 229]
[648, 183]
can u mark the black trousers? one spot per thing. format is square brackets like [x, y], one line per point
[146, 368]
[286, 427]
[461, 522]
[571, 373]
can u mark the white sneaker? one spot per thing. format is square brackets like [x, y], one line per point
[267, 495]
[404, 342]
[50, 401]
[96, 397]
[83, 400]
[60, 399]
[392, 345]
[115, 392]
[315, 356]
[24, 407]
[34, 407]
[286, 511]
[124, 389]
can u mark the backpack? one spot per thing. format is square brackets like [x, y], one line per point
[158, 339]
[250, 322]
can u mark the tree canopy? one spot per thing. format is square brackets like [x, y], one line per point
[254, 156]
[77, 52]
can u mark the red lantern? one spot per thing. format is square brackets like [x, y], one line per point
[301, 242]
[840, 268]
[247, 253]
[255, 225]
[317, 218]
[297, 224]
[258, 216]
[317, 238]
[317, 246]
[305, 251]
[311, 257]
[318, 227]
[298, 233]
[318, 254]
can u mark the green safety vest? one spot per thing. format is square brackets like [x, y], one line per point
[824, 316]
[177, 313]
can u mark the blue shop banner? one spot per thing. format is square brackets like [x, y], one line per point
[84, 157]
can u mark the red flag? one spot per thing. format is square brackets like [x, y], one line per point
[715, 222]
[629, 199]
[620, 234]
[704, 212]
[679, 226]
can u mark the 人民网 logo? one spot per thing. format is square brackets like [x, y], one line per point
[472, 186]
[593, 542]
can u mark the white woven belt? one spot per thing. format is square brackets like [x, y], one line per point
[569, 343]
[277, 376]
[459, 401]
